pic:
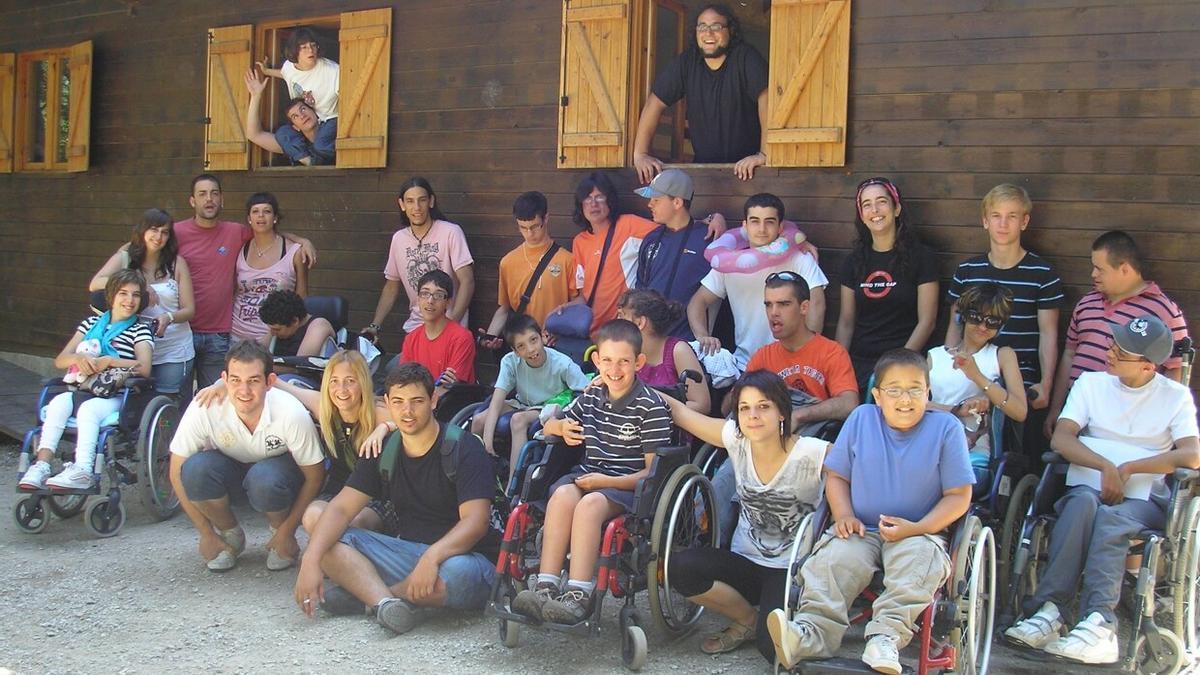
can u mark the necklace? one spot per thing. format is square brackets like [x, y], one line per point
[531, 264]
[421, 239]
[263, 251]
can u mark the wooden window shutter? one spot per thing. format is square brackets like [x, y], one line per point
[79, 110]
[8, 91]
[809, 80]
[366, 56]
[225, 147]
[594, 84]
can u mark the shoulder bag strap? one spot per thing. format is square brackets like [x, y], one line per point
[451, 434]
[608, 237]
[537, 274]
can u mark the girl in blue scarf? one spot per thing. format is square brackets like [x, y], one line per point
[124, 343]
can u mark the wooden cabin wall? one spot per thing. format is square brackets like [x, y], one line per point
[1093, 106]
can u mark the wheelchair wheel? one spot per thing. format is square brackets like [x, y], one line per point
[976, 601]
[103, 518]
[510, 633]
[462, 418]
[685, 517]
[31, 514]
[1010, 533]
[66, 506]
[806, 537]
[633, 647]
[1187, 579]
[159, 421]
[709, 459]
[1168, 659]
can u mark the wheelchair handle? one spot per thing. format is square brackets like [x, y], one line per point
[1186, 474]
[1053, 458]
[690, 375]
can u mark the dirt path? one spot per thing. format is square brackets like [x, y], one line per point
[141, 602]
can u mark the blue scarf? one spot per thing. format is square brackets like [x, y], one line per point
[104, 331]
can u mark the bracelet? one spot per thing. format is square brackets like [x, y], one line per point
[374, 327]
[986, 387]
[171, 317]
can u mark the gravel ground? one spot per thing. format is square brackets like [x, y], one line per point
[141, 602]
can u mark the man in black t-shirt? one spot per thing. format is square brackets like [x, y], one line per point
[435, 559]
[724, 82]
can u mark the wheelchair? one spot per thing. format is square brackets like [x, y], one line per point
[954, 633]
[133, 448]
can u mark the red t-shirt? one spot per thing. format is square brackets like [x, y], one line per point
[454, 348]
[821, 367]
[211, 254]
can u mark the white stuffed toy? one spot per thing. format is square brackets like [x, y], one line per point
[87, 348]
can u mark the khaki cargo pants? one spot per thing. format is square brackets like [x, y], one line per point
[839, 570]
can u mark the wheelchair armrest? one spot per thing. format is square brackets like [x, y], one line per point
[1185, 475]
[1053, 458]
[308, 363]
[556, 461]
[139, 384]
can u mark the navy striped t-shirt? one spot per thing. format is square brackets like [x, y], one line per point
[1034, 285]
[125, 342]
[618, 433]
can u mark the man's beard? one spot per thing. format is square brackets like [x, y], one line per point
[720, 51]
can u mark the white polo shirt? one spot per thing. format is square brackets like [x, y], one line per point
[284, 426]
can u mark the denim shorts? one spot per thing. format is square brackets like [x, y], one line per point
[270, 485]
[468, 577]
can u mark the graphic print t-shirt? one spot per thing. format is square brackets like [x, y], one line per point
[885, 298]
[444, 247]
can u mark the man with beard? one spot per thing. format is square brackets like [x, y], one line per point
[724, 81]
[210, 247]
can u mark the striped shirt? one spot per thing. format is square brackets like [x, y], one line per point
[126, 341]
[1090, 328]
[1034, 285]
[618, 433]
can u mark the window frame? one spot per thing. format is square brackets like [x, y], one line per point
[56, 59]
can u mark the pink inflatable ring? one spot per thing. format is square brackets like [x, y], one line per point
[731, 252]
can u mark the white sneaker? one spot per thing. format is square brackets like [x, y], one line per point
[276, 562]
[35, 477]
[1092, 641]
[1039, 630]
[71, 478]
[882, 655]
[788, 638]
[224, 562]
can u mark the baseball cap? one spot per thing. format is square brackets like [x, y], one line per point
[1145, 336]
[669, 183]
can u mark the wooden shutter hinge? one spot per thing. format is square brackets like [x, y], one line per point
[563, 101]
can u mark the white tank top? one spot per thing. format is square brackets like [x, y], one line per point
[175, 346]
[949, 385]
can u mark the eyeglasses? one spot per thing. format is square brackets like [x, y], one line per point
[783, 276]
[1122, 355]
[992, 322]
[529, 228]
[595, 199]
[710, 27]
[898, 392]
[429, 295]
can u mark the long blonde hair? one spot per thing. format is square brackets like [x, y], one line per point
[328, 417]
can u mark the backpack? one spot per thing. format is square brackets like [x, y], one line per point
[448, 449]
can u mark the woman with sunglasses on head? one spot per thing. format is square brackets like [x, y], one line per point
[969, 379]
[889, 282]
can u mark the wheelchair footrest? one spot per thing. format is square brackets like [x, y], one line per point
[582, 628]
[840, 664]
[47, 492]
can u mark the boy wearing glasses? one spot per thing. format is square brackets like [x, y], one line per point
[1133, 405]
[724, 81]
[444, 347]
[896, 479]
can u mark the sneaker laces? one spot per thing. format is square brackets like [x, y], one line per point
[575, 596]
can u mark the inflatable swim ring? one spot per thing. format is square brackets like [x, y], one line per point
[732, 252]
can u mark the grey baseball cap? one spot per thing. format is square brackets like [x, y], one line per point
[1145, 336]
[669, 183]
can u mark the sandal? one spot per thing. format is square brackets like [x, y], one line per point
[735, 635]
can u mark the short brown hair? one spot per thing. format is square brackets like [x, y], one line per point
[121, 279]
[249, 351]
[406, 374]
[900, 357]
[620, 330]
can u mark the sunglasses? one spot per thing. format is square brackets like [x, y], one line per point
[992, 322]
[783, 276]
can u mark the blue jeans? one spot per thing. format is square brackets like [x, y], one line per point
[209, 361]
[297, 147]
[725, 493]
[270, 485]
[169, 378]
[468, 577]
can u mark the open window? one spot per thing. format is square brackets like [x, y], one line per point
[359, 42]
[806, 44]
[45, 109]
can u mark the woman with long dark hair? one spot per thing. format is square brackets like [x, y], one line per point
[889, 281]
[154, 251]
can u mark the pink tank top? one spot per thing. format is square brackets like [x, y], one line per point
[253, 285]
[662, 375]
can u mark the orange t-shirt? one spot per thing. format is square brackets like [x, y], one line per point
[553, 288]
[586, 249]
[821, 367]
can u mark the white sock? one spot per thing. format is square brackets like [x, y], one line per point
[547, 579]
[585, 586]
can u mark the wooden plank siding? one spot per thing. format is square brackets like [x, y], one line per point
[1092, 105]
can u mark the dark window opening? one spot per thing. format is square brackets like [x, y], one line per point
[271, 41]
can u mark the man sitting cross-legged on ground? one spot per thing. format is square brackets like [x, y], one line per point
[620, 424]
[441, 489]
[260, 443]
[1132, 405]
[896, 479]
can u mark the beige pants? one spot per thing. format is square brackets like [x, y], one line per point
[839, 570]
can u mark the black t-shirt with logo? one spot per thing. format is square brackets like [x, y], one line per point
[885, 300]
[722, 104]
[425, 500]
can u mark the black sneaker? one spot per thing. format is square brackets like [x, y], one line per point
[398, 615]
[341, 602]
[570, 608]
[531, 602]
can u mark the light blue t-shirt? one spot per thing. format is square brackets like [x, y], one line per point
[899, 473]
[534, 385]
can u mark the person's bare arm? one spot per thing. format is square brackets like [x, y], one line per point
[834, 408]
[1047, 356]
[816, 310]
[334, 520]
[845, 324]
[311, 400]
[697, 392]
[841, 510]
[498, 320]
[319, 330]
[114, 263]
[387, 300]
[301, 276]
[707, 429]
[268, 71]
[466, 289]
[645, 164]
[953, 504]
[253, 127]
[1058, 394]
[954, 331]
[283, 541]
[927, 299]
[1185, 455]
[187, 296]
[744, 169]
[492, 416]
[697, 314]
